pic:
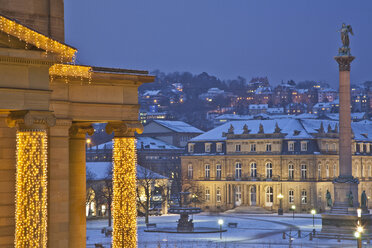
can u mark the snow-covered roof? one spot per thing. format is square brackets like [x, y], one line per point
[148, 143]
[178, 126]
[234, 117]
[101, 170]
[305, 128]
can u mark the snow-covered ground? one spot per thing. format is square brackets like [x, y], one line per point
[252, 231]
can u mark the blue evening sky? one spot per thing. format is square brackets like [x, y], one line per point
[281, 39]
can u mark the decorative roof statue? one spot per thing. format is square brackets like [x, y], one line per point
[345, 49]
[321, 128]
[231, 129]
[329, 129]
[261, 129]
[336, 129]
[245, 129]
[277, 129]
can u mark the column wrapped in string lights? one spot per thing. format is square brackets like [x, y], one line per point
[31, 177]
[124, 210]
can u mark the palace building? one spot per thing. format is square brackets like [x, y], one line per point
[251, 162]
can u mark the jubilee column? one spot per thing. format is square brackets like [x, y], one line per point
[124, 211]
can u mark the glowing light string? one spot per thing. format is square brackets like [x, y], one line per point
[77, 71]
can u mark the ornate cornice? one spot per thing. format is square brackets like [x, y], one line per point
[124, 129]
[346, 179]
[344, 62]
[80, 129]
[31, 120]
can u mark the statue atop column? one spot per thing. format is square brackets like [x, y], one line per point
[345, 49]
[350, 199]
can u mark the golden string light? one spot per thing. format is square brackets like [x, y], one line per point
[30, 36]
[77, 71]
[124, 212]
[31, 189]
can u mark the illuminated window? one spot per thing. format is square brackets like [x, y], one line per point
[334, 170]
[269, 170]
[269, 195]
[238, 170]
[319, 171]
[327, 171]
[290, 171]
[238, 193]
[303, 197]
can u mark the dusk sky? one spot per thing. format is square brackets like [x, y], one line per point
[286, 39]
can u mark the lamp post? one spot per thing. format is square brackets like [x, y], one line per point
[220, 222]
[88, 141]
[280, 210]
[313, 212]
[358, 236]
[293, 207]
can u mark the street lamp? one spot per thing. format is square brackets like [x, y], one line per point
[293, 207]
[313, 212]
[280, 210]
[88, 141]
[358, 236]
[220, 222]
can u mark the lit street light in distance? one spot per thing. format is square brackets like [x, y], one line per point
[357, 234]
[280, 210]
[359, 211]
[220, 222]
[293, 208]
[313, 212]
[360, 229]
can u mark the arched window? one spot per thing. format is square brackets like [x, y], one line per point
[207, 171]
[218, 171]
[303, 197]
[291, 196]
[238, 170]
[269, 170]
[253, 169]
[369, 171]
[269, 195]
[189, 171]
[334, 170]
[303, 171]
[327, 171]
[290, 171]
[218, 194]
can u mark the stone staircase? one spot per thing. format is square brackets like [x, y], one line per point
[248, 210]
[342, 209]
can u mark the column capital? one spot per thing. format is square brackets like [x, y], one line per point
[344, 62]
[80, 129]
[124, 128]
[31, 119]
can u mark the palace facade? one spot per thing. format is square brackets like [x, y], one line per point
[249, 163]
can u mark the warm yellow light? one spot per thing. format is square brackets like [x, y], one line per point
[357, 234]
[77, 71]
[89, 141]
[359, 212]
[360, 229]
[280, 196]
[293, 207]
[30, 36]
[124, 199]
[31, 189]
[313, 211]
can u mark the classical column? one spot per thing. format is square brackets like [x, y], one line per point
[346, 186]
[31, 176]
[77, 185]
[124, 212]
